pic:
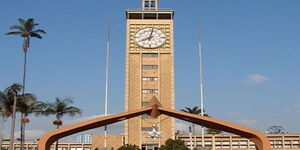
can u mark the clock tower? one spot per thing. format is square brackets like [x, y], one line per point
[149, 73]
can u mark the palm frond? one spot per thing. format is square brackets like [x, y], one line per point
[19, 27]
[61, 107]
[194, 110]
[14, 33]
[72, 111]
[22, 21]
[39, 31]
[67, 101]
[3, 97]
[33, 34]
[16, 87]
[26, 30]
[184, 110]
[29, 98]
[29, 24]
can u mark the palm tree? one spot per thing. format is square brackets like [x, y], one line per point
[2, 115]
[8, 103]
[25, 103]
[59, 108]
[25, 29]
[195, 110]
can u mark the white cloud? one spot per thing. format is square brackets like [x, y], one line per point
[247, 123]
[256, 79]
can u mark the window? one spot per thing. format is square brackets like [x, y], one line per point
[123, 140]
[145, 103]
[147, 4]
[149, 91]
[150, 66]
[153, 4]
[149, 78]
[150, 16]
[149, 54]
[135, 16]
[149, 128]
[164, 16]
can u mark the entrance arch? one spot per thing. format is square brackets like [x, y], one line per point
[154, 109]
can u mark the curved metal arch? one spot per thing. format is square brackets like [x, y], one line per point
[155, 109]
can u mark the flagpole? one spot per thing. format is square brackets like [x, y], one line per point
[106, 80]
[201, 84]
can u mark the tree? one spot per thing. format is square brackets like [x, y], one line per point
[276, 130]
[129, 147]
[7, 99]
[28, 104]
[195, 110]
[213, 131]
[3, 116]
[171, 144]
[8, 103]
[59, 108]
[25, 103]
[25, 29]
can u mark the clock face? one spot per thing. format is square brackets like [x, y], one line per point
[150, 38]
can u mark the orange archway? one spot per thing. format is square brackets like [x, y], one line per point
[155, 109]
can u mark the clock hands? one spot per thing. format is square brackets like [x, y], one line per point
[150, 36]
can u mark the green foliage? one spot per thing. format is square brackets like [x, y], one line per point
[213, 131]
[26, 29]
[61, 107]
[202, 148]
[195, 110]
[171, 144]
[26, 103]
[129, 147]
[276, 130]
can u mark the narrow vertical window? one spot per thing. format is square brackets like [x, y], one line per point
[153, 4]
[147, 4]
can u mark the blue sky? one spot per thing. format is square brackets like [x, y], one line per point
[251, 56]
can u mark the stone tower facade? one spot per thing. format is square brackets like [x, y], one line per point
[149, 72]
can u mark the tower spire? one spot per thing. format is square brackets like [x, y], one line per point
[150, 4]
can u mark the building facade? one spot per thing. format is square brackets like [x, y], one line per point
[32, 145]
[231, 141]
[289, 141]
[84, 138]
[149, 72]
